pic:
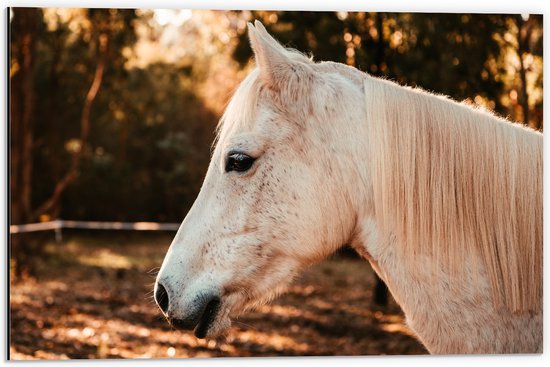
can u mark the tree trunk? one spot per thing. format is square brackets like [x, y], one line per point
[22, 103]
[51, 115]
[52, 203]
[380, 44]
[24, 27]
[524, 34]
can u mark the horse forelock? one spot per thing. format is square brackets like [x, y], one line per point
[450, 181]
[242, 107]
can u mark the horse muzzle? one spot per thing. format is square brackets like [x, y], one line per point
[199, 316]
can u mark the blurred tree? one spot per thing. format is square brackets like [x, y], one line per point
[168, 134]
[319, 33]
[26, 26]
[445, 53]
[113, 141]
[524, 38]
[104, 37]
[102, 129]
[464, 56]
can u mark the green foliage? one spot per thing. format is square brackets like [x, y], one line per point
[151, 144]
[319, 33]
[446, 53]
[150, 136]
[460, 55]
[151, 131]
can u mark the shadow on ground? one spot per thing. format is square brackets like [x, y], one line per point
[91, 298]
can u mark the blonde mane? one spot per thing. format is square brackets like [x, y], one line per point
[451, 181]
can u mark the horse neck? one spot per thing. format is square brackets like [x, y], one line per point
[410, 280]
[429, 304]
[433, 296]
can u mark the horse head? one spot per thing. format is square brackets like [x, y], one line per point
[275, 197]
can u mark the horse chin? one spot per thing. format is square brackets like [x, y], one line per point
[218, 327]
[233, 305]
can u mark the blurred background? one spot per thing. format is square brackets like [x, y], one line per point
[112, 117]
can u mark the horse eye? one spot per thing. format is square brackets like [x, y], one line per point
[239, 162]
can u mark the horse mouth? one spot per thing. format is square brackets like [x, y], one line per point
[207, 319]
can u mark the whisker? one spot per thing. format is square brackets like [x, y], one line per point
[248, 326]
[154, 270]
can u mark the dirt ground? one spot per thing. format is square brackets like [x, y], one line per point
[91, 297]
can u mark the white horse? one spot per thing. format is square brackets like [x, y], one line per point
[443, 199]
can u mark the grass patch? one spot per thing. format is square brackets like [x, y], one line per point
[120, 251]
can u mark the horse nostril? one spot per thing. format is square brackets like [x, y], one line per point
[161, 296]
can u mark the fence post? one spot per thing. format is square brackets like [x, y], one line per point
[58, 233]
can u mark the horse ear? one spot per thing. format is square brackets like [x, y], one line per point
[271, 58]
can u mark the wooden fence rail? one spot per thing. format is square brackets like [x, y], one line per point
[58, 224]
